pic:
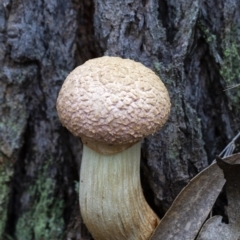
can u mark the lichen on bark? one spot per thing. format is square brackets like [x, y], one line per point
[44, 218]
[230, 70]
[6, 172]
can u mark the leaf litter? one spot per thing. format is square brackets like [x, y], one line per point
[192, 206]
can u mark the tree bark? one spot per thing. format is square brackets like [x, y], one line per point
[41, 42]
[193, 47]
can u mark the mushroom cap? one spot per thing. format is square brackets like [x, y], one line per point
[114, 101]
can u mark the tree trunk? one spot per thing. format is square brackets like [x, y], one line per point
[193, 47]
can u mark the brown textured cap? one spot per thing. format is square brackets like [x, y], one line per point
[113, 100]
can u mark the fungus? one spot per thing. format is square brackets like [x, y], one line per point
[111, 104]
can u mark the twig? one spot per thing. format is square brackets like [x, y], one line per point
[231, 87]
[228, 150]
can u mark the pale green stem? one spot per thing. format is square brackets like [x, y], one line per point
[111, 199]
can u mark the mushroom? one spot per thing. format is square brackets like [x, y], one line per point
[112, 104]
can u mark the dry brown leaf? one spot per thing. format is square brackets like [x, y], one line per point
[192, 206]
[214, 228]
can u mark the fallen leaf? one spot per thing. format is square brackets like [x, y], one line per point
[192, 206]
[214, 228]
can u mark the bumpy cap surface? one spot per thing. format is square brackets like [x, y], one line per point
[113, 101]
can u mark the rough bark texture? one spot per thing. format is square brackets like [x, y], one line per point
[41, 42]
[192, 45]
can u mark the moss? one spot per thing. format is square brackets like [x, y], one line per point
[5, 178]
[157, 67]
[12, 125]
[76, 187]
[229, 62]
[208, 36]
[230, 70]
[165, 72]
[44, 220]
[174, 152]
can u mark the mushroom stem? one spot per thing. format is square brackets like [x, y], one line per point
[111, 199]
